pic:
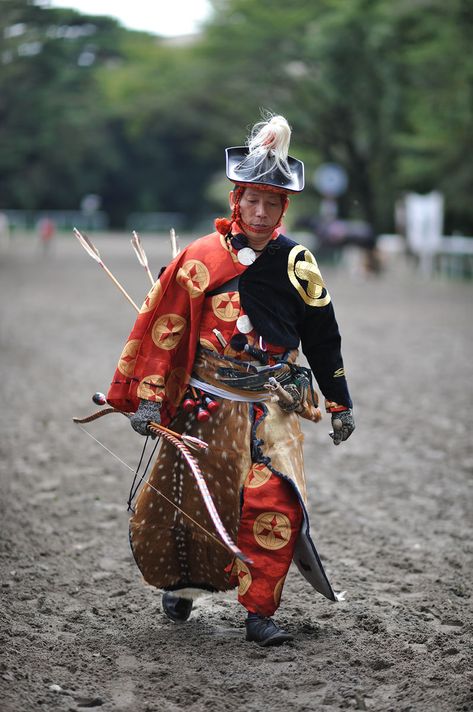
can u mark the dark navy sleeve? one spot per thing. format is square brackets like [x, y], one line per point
[321, 344]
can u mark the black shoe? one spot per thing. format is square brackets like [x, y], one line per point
[264, 631]
[177, 609]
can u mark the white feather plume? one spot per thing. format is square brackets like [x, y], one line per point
[268, 145]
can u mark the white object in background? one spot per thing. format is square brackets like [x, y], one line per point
[424, 226]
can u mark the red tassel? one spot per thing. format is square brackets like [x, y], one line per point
[202, 415]
[189, 405]
[223, 225]
[211, 405]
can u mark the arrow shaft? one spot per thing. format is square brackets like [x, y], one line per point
[150, 276]
[118, 285]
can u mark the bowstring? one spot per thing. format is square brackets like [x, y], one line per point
[147, 482]
[133, 489]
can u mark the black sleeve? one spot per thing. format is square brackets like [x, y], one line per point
[321, 344]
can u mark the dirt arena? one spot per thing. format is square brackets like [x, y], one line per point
[391, 511]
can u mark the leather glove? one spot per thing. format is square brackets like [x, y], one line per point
[147, 411]
[343, 425]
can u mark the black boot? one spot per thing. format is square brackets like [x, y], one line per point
[176, 608]
[264, 631]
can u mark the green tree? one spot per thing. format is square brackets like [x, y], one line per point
[326, 66]
[53, 134]
[383, 88]
[435, 141]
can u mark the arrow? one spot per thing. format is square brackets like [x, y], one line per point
[141, 255]
[91, 250]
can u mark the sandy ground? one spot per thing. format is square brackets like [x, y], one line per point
[391, 512]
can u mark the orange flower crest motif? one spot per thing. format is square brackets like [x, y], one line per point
[126, 364]
[193, 276]
[168, 331]
[272, 530]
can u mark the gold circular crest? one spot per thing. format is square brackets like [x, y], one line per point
[127, 360]
[226, 306]
[152, 298]
[304, 273]
[168, 330]
[243, 574]
[193, 276]
[150, 387]
[176, 384]
[257, 476]
[278, 590]
[272, 530]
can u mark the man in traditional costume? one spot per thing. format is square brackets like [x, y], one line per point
[219, 329]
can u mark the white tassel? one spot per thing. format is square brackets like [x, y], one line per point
[268, 145]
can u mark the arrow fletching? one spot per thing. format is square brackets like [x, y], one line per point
[189, 440]
[194, 443]
[175, 249]
[140, 253]
[88, 245]
[91, 250]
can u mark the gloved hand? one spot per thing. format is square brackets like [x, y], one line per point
[343, 425]
[147, 411]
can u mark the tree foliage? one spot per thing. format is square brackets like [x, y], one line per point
[53, 128]
[383, 88]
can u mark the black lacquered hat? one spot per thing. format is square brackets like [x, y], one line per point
[245, 168]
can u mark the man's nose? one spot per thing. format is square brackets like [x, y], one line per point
[260, 209]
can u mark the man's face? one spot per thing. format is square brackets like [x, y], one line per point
[260, 209]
